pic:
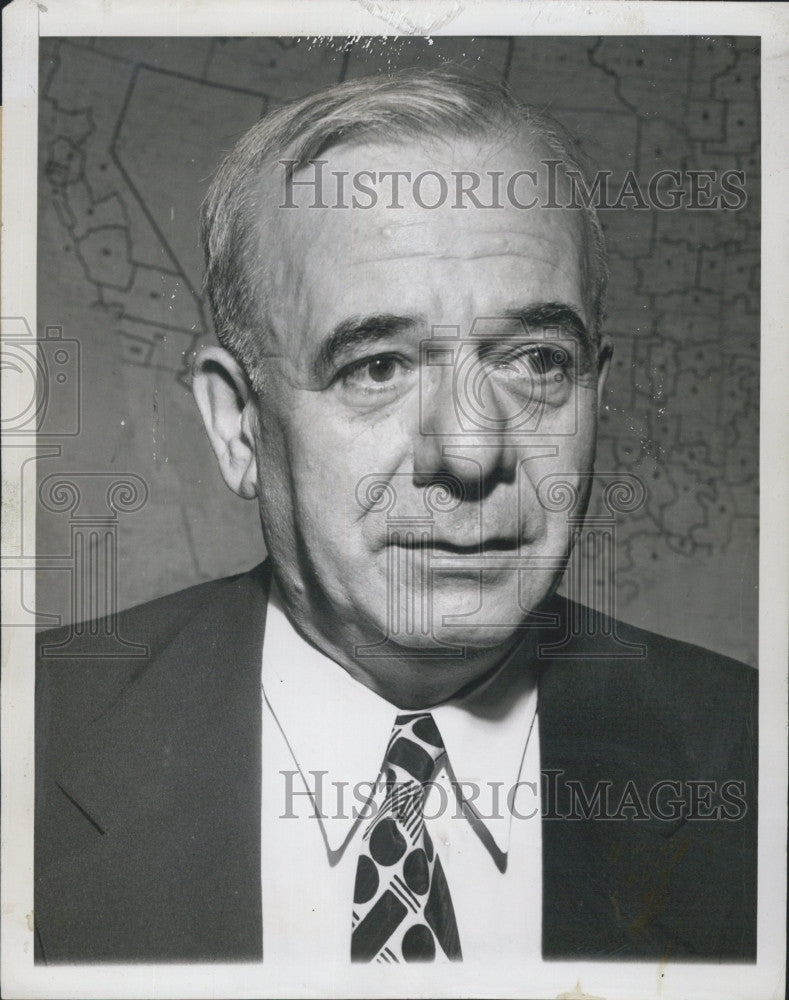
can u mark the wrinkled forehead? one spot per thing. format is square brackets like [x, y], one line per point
[430, 200]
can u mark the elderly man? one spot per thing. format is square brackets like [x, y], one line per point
[393, 741]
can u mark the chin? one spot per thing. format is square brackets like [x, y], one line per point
[477, 637]
[450, 642]
[455, 610]
[474, 617]
[476, 632]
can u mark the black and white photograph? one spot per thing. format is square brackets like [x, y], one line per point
[395, 537]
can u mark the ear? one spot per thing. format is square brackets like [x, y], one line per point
[222, 392]
[604, 355]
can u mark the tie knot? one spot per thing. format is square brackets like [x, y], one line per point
[415, 746]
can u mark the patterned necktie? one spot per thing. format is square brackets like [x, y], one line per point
[402, 908]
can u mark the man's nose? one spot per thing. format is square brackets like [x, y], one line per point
[463, 433]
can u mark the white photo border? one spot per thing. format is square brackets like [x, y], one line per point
[24, 21]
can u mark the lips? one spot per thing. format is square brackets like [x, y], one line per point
[456, 547]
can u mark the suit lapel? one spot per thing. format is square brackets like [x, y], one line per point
[618, 887]
[587, 909]
[161, 857]
[169, 778]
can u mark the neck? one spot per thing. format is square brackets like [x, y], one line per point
[409, 678]
[412, 681]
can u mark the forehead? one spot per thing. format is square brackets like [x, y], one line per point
[362, 258]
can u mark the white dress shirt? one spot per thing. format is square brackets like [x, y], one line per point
[324, 739]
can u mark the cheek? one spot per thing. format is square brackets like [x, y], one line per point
[326, 479]
[343, 447]
[577, 429]
[552, 488]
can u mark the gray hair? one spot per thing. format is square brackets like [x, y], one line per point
[405, 105]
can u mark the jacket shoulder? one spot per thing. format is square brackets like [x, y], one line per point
[599, 639]
[152, 623]
[147, 758]
[638, 718]
[82, 669]
[636, 688]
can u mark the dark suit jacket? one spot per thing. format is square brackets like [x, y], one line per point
[148, 789]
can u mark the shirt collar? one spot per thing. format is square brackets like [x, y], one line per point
[486, 733]
[317, 704]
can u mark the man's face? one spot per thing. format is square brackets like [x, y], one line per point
[398, 484]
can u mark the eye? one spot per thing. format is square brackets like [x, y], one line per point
[382, 369]
[547, 358]
[378, 374]
[527, 360]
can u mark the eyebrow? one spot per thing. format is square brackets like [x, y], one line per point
[545, 315]
[357, 332]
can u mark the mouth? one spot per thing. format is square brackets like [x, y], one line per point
[455, 547]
